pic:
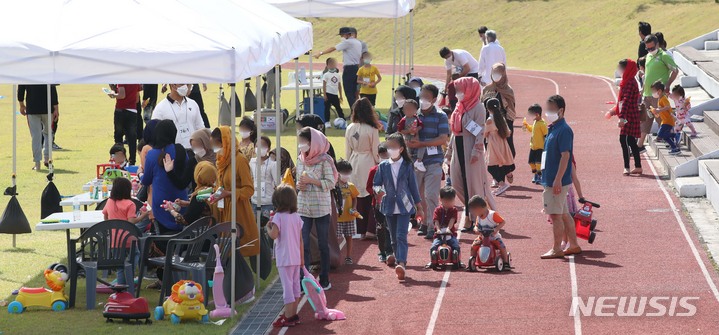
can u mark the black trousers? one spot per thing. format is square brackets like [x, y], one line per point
[349, 83]
[126, 125]
[371, 97]
[333, 101]
[630, 142]
[510, 138]
[499, 172]
[140, 122]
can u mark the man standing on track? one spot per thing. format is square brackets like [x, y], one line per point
[557, 178]
[351, 55]
[659, 65]
[458, 58]
[492, 53]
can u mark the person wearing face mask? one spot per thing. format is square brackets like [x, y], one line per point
[401, 95]
[416, 84]
[332, 88]
[491, 53]
[433, 135]
[222, 146]
[645, 29]
[500, 89]
[368, 77]
[627, 110]
[659, 65]
[316, 176]
[346, 221]
[205, 176]
[182, 111]
[361, 142]
[467, 164]
[201, 151]
[315, 122]
[458, 58]
[557, 177]
[268, 177]
[351, 49]
[248, 133]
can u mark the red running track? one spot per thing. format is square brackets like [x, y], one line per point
[644, 248]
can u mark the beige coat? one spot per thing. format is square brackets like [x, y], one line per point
[476, 175]
[361, 143]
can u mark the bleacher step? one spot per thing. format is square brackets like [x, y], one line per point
[690, 187]
[711, 118]
[705, 144]
[709, 174]
[676, 166]
[711, 45]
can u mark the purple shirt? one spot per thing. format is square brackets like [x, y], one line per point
[287, 244]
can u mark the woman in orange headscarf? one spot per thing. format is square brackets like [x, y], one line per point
[222, 145]
[467, 166]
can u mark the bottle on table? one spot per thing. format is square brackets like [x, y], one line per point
[76, 214]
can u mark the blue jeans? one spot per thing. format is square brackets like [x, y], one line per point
[452, 243]
[121, 271]
[323, 230]
[665, 133]
[398, 225]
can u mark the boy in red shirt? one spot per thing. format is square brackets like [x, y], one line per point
[445, 219]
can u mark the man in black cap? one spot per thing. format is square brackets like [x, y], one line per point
[351, 49]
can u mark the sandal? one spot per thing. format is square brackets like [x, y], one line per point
[282, 321]
[510, 178]
[551, 254]
[626, 172]
[637, 171]
[348, 260]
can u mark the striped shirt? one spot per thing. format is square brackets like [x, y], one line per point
[435, 124]
[315, 201]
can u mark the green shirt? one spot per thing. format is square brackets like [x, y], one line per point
[658, 67]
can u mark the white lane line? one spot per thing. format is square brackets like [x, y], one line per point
[440, 294]
[299, 306]
[556, 86]
[575, 295]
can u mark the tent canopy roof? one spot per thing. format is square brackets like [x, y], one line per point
[345, 8]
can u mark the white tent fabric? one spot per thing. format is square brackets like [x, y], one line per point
[345, 8]
[145, 41]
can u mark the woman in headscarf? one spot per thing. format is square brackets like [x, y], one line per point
[627, 109]
[316, 176]
[155, 175]
[222, 145]
[285, 161]
[467, 166]
[201, 151]
[202, 146]
[401, 94]
[314, 121]
[500, 89]
[361, 145]
[205, 177]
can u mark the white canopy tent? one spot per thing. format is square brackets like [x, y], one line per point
[146, 41]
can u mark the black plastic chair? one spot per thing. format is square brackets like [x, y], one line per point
[193, 230]
[103, 249]
[189, 257]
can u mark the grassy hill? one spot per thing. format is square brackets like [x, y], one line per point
[586, 36]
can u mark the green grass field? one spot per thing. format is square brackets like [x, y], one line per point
[587, 36]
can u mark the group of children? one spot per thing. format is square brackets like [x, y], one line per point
[672, 122]
[368, 77]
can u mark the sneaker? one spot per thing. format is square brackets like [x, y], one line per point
[348, 260]
[494, 184]
[399, 271]
[325, 283]
[391, 260]
[465, 229]
[55, 146]
[510, 178]
[428, 237]
[420, 166]
[282, 321]
[502, 189]
[328, 125]
[429, 265]
[422, 230]
[642, 150]
[382, 258]
[675, 152]
[667, 146]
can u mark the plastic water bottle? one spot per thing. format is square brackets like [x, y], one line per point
[76, 210]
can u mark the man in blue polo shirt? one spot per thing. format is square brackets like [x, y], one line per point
[433, 135]
[557, 177]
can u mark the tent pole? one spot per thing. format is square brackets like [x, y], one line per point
[258, 179]
[312, 91]
[49, 139]
[219, 103]
[297, 88]
[14, 146]
[404, 47]
[411, 43]
[233, 185]
[394, 57]
[278, 122]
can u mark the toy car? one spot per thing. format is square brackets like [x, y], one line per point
[444, 255]
[54, 297]
[489, 254]
[123, 305]
[185, 304]
[584, 222]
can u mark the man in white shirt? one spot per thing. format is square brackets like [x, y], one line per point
[492, 53]
[461, 59]
[354, 34]
[482, 31]
[182, 111]
[351, 55]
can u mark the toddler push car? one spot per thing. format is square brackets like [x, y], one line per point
[584, 222]
[444, 255]
[488, 254]
[123, 305]
[54, 297]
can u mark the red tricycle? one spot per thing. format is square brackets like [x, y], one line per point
[584, 223]
[445, 255]
[489, 254]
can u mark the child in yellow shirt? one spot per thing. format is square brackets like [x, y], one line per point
[536, 142]
[346, 220]
[664, 112]
[368, 77]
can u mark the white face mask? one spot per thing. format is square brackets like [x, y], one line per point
[199, 152]
[655, 95]
[182, 90]
[217, 150]
[654, 52]
[496, 77]
[344, 177]
[304, 147]
[245, 134]
[393, 153]
[263, 152]
[460, 96]
[424, 104]
[400, 102]
[417, 90]
[552, 116]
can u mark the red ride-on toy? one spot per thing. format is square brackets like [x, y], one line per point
[584, 222]
[489, 254]
[123, 305]
[445, 255]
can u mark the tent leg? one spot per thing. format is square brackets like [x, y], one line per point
[278, 121]
[312, 91]
[394, 58]
[297, 88]
[259, 177]
[411, 45]
[233, 219]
